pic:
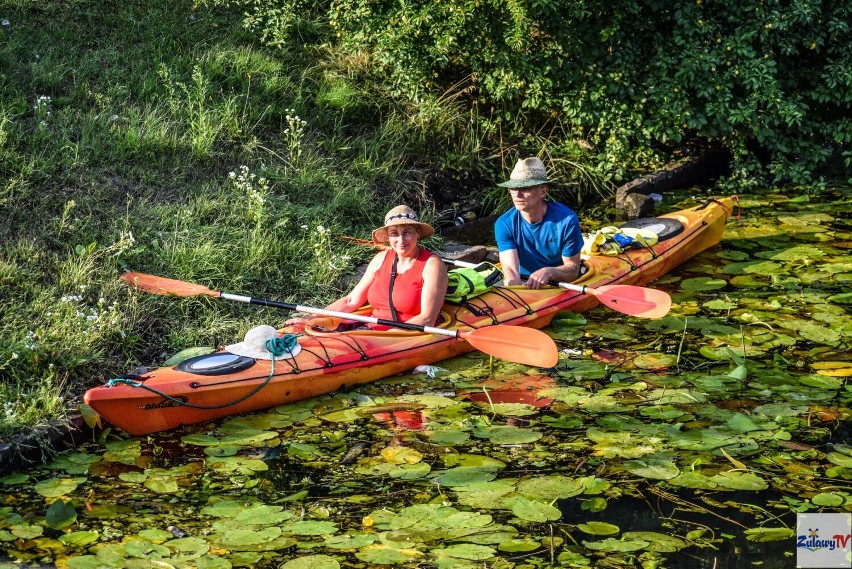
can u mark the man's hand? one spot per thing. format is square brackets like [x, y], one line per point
[541, 278]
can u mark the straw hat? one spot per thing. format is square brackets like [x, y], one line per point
[254, 344]
[401, 215]
[528, 172]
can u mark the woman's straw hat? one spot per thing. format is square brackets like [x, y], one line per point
[528, 172]
[254, 344]
[401, 215]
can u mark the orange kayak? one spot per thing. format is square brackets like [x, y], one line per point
[216, 385]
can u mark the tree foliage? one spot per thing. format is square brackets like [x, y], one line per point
[771, 80]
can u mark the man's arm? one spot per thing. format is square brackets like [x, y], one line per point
[510, 265]
[567, 272]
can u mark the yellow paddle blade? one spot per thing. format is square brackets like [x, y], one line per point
[164, 286]
[526, 346]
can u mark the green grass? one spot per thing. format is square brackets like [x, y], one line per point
[165, 138]
[119, 130]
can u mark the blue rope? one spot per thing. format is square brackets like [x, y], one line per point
[281, 346]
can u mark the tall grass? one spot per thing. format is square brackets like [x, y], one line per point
[119, 131]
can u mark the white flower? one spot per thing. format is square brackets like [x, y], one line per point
[4, 22]
[14, 355]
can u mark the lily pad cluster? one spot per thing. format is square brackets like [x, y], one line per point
[723, 420]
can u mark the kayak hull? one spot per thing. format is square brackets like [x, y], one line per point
[167, 398]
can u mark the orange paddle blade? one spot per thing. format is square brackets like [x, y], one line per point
[164, 286]
[634, 300]
[526, 346]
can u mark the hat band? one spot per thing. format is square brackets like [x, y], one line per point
[402, 216]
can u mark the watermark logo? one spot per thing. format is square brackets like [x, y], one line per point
[824, 540]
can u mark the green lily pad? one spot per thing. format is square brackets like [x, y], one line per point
[653, 469]
[55, 487]
[598, 528]
[79, 538]
[60, 514]
[534, 511]
[617, 545]
[312, 562]
[829, 499]
[466, 551]
[701, 284]
[659, 542]
[736, 480]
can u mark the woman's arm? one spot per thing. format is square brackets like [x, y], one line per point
[432, 295]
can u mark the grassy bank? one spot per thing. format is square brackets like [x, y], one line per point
[161, 138]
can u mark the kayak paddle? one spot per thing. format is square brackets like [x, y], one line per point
[526, 346]
[633, 300]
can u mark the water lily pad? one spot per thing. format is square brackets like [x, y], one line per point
[145, 548]
[655, 361]
[15, 478]
[55, 487]
[719, 304]
[312, 562]
[79, 538]
[466, 551]
[384, 555]
[263, 515]
[652, 468]
[350, 541]
[552, 487]
[311, 527]
[736, 480]
[60, 514]
[658, 542]
[701, 284]
[598, 528]
[446, 436]
[507, 434]
[533, 510]
[829, 499]
[617, 545]
[464, 475]
[237, 537]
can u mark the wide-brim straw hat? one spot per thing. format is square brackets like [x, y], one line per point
[401, 215]
[528, 172]
[254, 344]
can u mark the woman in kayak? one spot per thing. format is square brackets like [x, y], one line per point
[415, 278]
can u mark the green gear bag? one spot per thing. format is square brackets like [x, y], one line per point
[470, 282]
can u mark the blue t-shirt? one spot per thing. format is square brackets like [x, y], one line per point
[541, 244]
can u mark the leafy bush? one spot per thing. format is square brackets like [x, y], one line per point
[769, 80]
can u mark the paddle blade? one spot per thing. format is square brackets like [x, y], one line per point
[164, 286]
[634, 300]
[526, 346]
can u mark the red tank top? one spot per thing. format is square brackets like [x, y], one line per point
[407, 288]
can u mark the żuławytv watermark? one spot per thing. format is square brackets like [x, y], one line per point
[824, 540]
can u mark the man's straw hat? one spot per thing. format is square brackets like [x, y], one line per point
[528, 172]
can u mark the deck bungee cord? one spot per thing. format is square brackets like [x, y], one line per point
[278, 347]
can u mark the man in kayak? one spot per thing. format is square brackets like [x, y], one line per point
[539, 241]
[412, 276]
